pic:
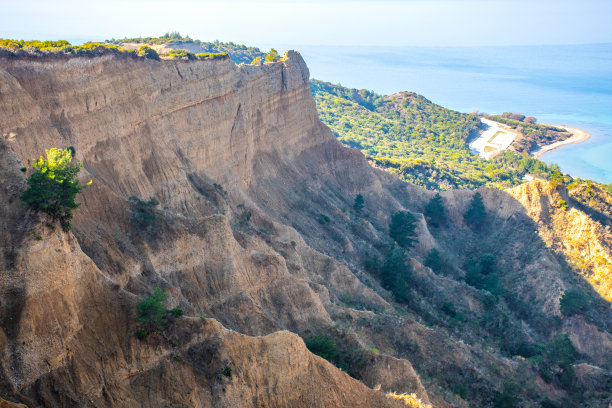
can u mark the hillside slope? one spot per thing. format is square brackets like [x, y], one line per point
[255, 228]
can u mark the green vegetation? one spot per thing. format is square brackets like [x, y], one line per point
[227, 371]
[148, 52]
[396, 274]
[359, 203]
[436, 262]
[435, 211]
[402, 228]
[574, 301]
[237, 53]
[557, 362]
[152, 312]
[186, 55]
[61, 47]
[272, 56]
[53, 186]
[142, 212]
[325, 347]
[508, 397]
[419, 141]
[481, 274]
[177, 312]
[476, 214]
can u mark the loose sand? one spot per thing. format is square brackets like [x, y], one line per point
[578, 135]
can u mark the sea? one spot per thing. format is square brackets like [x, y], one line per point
[560, 85]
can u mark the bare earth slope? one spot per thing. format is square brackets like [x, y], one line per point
[255, 229]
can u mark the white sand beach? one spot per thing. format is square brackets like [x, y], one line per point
[494, 139]
[578, 135]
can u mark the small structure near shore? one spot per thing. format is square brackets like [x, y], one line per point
[493, 140]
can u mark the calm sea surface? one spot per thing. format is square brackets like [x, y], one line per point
[561, 85]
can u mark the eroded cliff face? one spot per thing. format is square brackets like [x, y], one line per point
[586, 243]
[255, 229]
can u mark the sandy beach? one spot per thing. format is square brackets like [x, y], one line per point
[578, 135]
[496, 138]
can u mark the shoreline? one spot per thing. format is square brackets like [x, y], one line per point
[578, 136]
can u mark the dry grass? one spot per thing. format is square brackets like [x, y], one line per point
[410, 400]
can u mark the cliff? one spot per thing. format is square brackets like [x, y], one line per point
[254, 230]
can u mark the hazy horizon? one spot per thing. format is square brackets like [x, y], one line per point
[333, 23]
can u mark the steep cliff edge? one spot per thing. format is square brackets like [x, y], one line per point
[255, 229]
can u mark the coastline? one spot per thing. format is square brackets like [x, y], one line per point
[578, 136]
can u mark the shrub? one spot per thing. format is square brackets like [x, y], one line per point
[358, 204]
[562, 204]
[435, 261]
[271, 56]
[152, 311]
[178, 312]
[148, 52]
[142, 334]
[323, 219]
[322, 346]
[53, 186]
[476, 214]
[325, 347]
[142, 211]
[435, 211]
[227, 371]
[402, 229]
[574, 301]
[557, 179]
[508, 397]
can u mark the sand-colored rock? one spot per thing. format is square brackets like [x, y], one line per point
[254, 228]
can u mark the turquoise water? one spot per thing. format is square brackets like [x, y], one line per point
[563, 85]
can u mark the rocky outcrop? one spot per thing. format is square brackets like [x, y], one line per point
[564, 226]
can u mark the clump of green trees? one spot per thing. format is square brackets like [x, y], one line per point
[326, 347]
[53, 186]
[574, 301]
[152, 313]
[417, 140]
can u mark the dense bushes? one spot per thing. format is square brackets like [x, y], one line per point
[325, 347]
[574, 301]
[142, 212]
[148, 52]
[419, 141]
[53, 186]
[61, 47]
[152, 312]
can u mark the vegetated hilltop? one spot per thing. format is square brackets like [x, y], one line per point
[217, 186]
[420, 141]
[172, 42]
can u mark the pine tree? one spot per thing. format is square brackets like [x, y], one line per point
[476, 214]
[436, 211]
[53, 186]
[359, 203]
[402, 229]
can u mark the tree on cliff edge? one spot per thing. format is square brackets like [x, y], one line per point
[53, 186]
